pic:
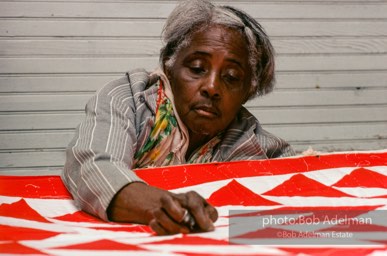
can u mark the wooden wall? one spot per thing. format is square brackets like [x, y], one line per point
[331, 70]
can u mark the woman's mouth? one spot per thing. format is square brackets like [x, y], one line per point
[206, 111]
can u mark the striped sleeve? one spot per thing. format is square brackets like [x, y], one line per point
[246, 140]
[99, 158]
[274, 146]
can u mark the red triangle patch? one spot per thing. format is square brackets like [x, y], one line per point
[300, 185]
[21, 233]
[17, 249]
[79, 216]
[21, 210]
[236, 194]
[362, 177]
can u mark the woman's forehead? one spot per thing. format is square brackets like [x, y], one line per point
[218, 38]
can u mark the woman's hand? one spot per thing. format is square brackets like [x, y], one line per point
[183, 213]
[166, 213]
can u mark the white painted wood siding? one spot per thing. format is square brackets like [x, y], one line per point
[331, 70]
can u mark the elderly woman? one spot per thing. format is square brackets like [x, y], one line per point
[188, 111]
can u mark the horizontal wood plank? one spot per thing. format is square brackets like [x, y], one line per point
[324, 114]
[291, 132]
[344, 79]
[332, 62]
[83, 47]
[366, 62]
[330, 45]
[297, 115]
[54, 83]
[75, 65]
[320, 98]
[51, 162]
[28, 159]
[46, 102]
[35, 140]
[319, 132]
[152, 28]
[151, 47]
[285, 80]
[340, 145]
[331, 70]
[33, 171]
[40, 121]
[157, 9]
[61, 102]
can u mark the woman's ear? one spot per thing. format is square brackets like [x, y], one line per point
[166, 69]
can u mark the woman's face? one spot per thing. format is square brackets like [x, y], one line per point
[210, 80]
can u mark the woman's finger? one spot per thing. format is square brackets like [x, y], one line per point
[157, 228]
[173, 208]
[212, 212]
[196, 206]
[169, 225]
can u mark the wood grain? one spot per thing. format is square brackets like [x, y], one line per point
[331, 90]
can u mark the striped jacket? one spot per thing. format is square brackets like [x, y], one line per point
[118, 120]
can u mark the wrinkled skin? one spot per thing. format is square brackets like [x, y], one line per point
[210, 81]
[161, 210]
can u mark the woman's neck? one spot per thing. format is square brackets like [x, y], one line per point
[195, 142]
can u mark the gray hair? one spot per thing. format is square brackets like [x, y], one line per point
[196, 15]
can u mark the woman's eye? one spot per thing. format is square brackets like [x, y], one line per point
[232, 78]
[197, 70]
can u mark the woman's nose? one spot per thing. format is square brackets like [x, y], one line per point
[211, 87]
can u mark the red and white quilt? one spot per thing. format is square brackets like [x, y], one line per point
[39, 217]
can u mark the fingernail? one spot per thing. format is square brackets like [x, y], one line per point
[211, 227]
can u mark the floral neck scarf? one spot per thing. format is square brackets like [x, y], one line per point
[168, 141]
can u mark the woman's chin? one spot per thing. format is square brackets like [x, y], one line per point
[203, 131]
